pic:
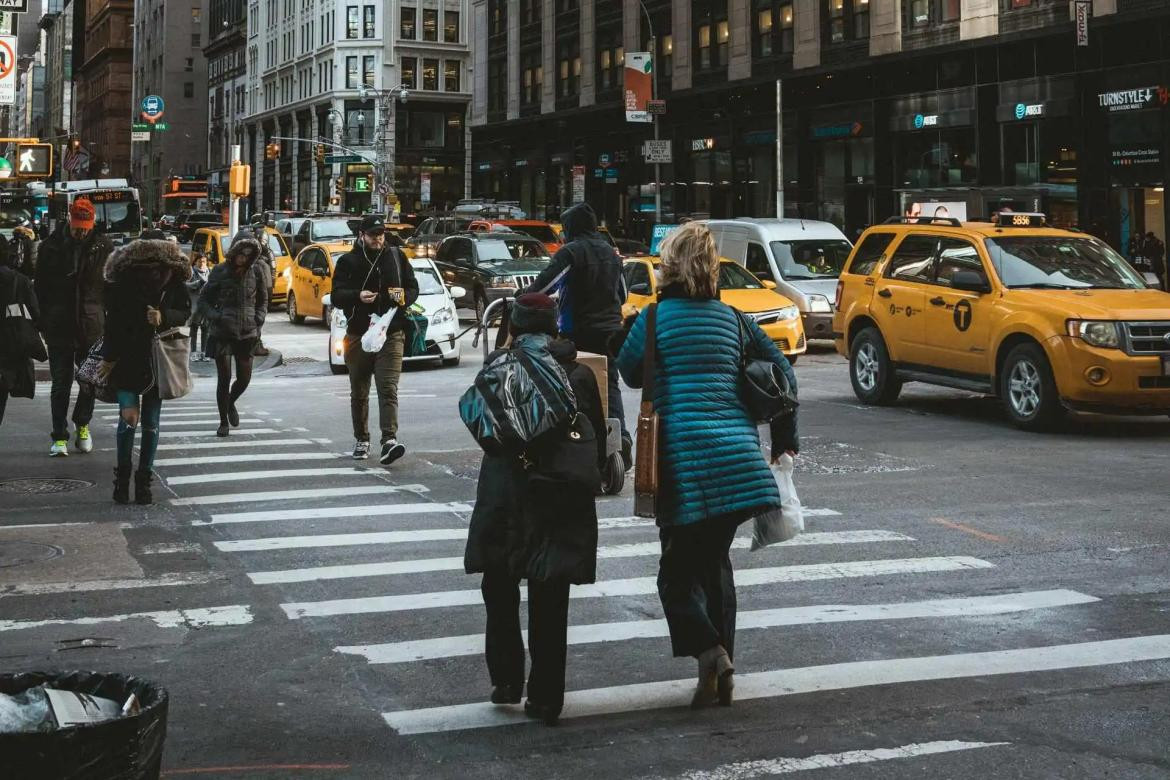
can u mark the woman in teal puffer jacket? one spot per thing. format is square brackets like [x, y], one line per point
[712, 475]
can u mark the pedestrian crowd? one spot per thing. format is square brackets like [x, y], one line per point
[1147, 254]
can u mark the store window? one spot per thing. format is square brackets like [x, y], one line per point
[451, 26]
[1039, 152]
[937, 158]
[408, 21]
[451, 75]
[430, 75]
[430, 24]
[352, 22]
[409, 66]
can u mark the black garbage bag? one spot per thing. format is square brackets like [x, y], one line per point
[124, 748]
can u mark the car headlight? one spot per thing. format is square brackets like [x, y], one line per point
[502, 281]
[819, 304]
[788, 313]
[1096, 333]
[441, 317]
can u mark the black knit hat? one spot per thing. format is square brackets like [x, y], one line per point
[534, 313]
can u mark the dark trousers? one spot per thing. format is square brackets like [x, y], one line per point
[63, 364]
[385, 369]
[697, 587]
[548, 626]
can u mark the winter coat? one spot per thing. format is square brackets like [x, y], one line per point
[268, 264]
[355, 272]
[16, 371]
[708, 448]
[233, 303]
[69, 287]
[516, 526]
[194, 287]
[588, 275]
[129, 339]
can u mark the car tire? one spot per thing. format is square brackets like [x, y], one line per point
[1028, 389]
[451, 362]
[295, 317]
[871, 371]
[792, 359]
[480, 306]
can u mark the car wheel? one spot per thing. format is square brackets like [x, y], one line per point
[871, 371]
[294, 316]
[451, 362]
[480, 306]
[792, 359]
[1028, 390]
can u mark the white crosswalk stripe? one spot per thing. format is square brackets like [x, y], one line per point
[248, 476]
[381, 510]
[164, 433]
[226, 444]
[296, 495]
[213, 460]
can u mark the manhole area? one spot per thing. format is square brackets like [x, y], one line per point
[301, 360]
[43, 486]
[19, 553]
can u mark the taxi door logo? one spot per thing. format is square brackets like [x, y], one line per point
[962, 315]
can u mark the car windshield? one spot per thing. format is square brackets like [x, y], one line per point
[331, 230]
[1059, 262]
[274, 245]
[733, 277]
[539, 232]
[811, 259]
[428, 281]
[511, 249]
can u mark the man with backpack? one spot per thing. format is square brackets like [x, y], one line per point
[368, 281]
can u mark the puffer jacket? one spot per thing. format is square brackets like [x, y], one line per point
[587, 273]
[235, 303]
[709, 449]
[129, 338]
[16, 370]
[70, 291]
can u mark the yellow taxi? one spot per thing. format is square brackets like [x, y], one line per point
[1045, 319]
[310, 279]
[214, 242]
[777, 316]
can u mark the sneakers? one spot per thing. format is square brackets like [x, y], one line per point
[196, 357]
[60, 449]
[361, 450]
[391, 451]
[84, 442]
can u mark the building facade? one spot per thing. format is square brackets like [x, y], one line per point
[168, 62]
[885, 104]
[57, 23]
[322, 70]
[103, 71]
[225, 52]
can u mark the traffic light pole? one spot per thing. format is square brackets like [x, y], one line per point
[234, 200]
[321, 142]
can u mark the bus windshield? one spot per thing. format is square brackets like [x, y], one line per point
[119, 217]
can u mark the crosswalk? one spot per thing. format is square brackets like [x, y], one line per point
[375, 564]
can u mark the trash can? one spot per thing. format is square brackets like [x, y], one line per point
[126, 748]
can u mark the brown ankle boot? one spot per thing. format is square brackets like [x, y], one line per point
[714, 666]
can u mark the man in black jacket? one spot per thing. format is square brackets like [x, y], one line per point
[587, 274]
[368, 281]
[69, 287]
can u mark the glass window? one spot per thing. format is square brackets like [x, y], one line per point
[787, 31]
[757, 262]
[428, 280]
[330, 230]
[667, 46]
[430, 75]
[369, 26]
[512, 249]
[1060, 263]
[764, 32]
[351, 72]
[920, 12]
[409, 65]
[951, 10]
[860, 20]
[352, 22]
[638, 274]
[368, 75]
[813, 259]
[733, 277]
[451, 26]
[426, 129]
[451, 75]
[956, 255]
[836, 21]
[870, 253]
[704, 46]
[407, 31]
[913, 259]
[430, 24]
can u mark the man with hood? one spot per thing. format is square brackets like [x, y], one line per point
[69, 287]
[587, 274]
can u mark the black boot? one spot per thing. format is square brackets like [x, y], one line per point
[121, 486]
[142, 488]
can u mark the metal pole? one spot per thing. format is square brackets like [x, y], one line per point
[654, 95]
[234, 200]
[779, 149]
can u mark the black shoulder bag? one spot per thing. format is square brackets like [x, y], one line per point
[763, 386]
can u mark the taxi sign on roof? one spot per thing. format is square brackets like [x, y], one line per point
[1019, 219]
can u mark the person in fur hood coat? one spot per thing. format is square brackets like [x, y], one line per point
[145, 293]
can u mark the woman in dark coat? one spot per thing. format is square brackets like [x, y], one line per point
[17, 298]
[235, 302]
[529, 529]
[712, 474]
[146, 293]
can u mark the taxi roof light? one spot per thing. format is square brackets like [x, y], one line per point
[1020, 219]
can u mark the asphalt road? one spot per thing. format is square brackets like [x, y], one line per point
[968, 600]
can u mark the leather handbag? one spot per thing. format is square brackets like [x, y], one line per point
[21, 339]
[646, 458]
[87, 374]
[764, 387]
[171, 353]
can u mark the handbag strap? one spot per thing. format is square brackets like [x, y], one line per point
[650, 354]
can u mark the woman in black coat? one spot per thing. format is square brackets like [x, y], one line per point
[523, 528]
[17, 300]
[146, 293]
[235, 302]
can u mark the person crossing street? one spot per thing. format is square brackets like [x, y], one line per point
[368, 281]
[70, 287]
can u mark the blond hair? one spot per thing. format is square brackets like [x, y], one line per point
[689, 258]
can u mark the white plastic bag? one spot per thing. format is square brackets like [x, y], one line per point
[785, 522]
[375, 337]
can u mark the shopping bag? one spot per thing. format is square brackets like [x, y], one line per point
[415, 332]
[172, 364]
[787, 520]
[375, 336]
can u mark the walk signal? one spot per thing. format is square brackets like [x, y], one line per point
[272, 150]
[320, 154]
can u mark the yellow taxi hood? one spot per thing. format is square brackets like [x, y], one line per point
[1128, 305]
[753, 301]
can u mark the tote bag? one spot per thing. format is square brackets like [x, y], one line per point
[172, 364]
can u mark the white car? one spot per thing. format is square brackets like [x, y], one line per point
[438, 303]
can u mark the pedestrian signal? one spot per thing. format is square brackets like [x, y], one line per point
[240, 181]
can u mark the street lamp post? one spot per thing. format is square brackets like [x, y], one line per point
[387, 97]
[654, 96]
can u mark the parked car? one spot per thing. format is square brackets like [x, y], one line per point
[489, 266]
[189, 223]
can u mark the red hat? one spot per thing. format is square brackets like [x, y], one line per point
[82, 214]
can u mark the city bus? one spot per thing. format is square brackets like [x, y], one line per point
[185, 193]
[119, 213]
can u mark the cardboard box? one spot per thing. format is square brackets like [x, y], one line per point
[599, 365]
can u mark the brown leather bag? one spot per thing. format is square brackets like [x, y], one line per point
[646, 460]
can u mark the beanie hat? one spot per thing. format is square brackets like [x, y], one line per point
[82, 214]
[534, 313]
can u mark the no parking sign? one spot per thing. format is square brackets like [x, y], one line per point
[7, 70]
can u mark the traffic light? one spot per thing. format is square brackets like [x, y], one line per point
[240, 180]
[340, 186]
[75, 144]
[272, 150]
[320, 154]
[370, 185]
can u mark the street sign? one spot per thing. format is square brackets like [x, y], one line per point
[361, 184]
[611, 175]
[331, 159]
[1083, 10]
[656, 107]
[7, 70]
[603, 160]
[7, 23]
[14, 6]
[34, 161]
[139, 135]
[425, 187]
[152, 108]
[383, 189]
[160, 126]
[140, 127]
[578, 183]
[657, 151]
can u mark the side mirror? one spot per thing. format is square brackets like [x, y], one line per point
[768, 284]
[970, 281]
[640, 289]
[458, 292]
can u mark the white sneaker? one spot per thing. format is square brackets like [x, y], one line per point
[60, 449]
[84, 442]
[391, 451]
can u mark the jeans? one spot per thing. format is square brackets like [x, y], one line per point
[385, 369]
[548, 626]
[63, 364]
[149, 411]
[697, 587]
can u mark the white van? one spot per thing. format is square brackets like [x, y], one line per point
[802, 257]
